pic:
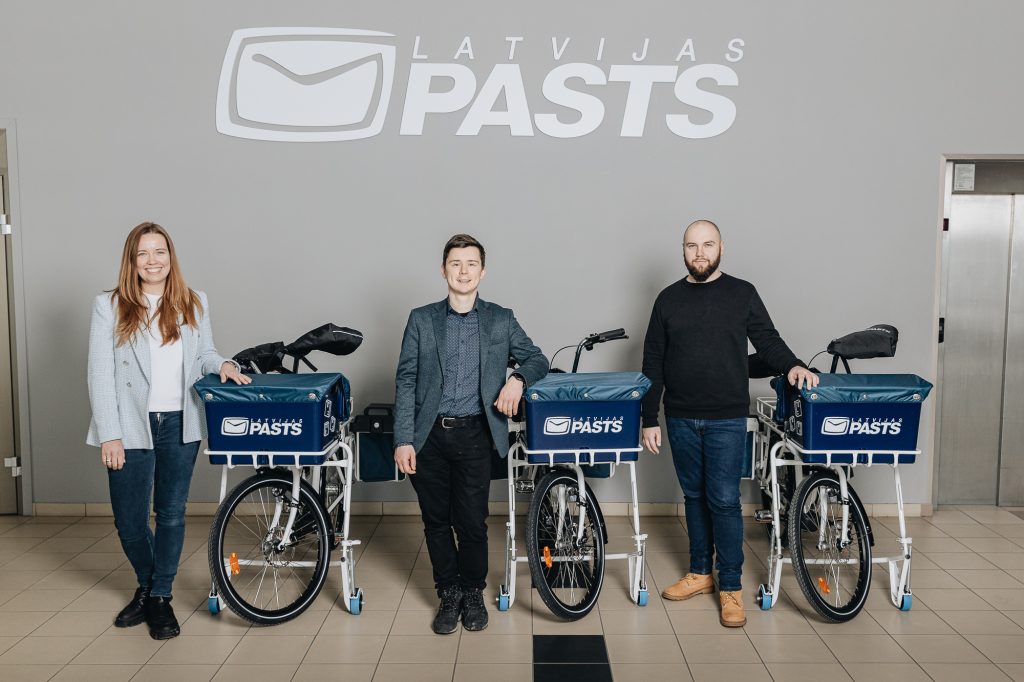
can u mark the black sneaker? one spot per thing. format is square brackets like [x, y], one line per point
[133, 614]
[160, 617]
[447, 619]
[474, 613]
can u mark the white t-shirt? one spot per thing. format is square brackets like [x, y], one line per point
[167, 371]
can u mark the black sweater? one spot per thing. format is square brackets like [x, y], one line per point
[696, 349]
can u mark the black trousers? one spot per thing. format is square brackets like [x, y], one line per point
[452, 481]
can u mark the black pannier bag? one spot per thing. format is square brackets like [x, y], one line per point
[878, 341]
[375, 430]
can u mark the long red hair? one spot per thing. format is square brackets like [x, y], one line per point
[179, 304]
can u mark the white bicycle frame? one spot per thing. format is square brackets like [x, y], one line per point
[768, 460]
[521, 469]
[342, 448]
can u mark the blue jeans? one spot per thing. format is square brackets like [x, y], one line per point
[709, 455]
[165, 472]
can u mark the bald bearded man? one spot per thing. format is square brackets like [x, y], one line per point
[695, 352]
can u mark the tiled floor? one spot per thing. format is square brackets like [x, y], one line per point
[62, 580]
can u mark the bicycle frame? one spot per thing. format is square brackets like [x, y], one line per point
[520, 471]
[768, 462]
[342, 450]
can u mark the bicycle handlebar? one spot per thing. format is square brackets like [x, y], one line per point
[610, 335]
[601, 337]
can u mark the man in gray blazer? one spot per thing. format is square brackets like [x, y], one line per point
[452, 403]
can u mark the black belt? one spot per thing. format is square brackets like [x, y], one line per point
[459, 422]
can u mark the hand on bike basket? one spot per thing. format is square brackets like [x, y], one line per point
[801, 376]
[229, 370]
[508, 400]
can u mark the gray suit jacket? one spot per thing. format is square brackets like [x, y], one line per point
[119, 378]
[420, 372]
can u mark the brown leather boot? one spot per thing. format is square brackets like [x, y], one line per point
[690, 585]
[732, 609]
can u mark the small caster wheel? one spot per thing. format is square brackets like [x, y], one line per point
[906, 601]
[641, 598]
[213, 604]
[764, 597]
[503, 601]
[355, 604]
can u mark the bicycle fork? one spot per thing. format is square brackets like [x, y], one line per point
[823, 512]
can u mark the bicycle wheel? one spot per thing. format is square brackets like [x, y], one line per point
[567, 571]
[833, 572]
[260, 580]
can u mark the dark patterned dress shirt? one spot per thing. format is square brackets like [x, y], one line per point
[460, 394]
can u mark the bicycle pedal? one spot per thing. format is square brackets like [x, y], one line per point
[763, 516]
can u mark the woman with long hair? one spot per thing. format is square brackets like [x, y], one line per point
[149, 341]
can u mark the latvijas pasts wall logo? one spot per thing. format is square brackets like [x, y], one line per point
[292, 84]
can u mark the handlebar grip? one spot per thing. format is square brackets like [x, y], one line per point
[611, 335]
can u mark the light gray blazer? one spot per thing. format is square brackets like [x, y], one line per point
[119, 378]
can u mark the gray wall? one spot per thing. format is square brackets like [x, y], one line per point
[827, 185]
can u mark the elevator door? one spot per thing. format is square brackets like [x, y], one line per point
[1011, 461]
[981, 458]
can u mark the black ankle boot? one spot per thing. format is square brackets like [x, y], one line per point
[447, 619]
[133, 614]
[160, 617]
[474, 613]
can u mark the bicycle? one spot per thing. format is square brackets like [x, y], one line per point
[273, 534]
[565, 528]
[806, 450]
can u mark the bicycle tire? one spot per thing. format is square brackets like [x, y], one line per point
[568, 576]
[249, 529]
[837, 595]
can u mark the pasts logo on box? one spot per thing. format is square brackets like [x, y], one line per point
[562, 426]
[842, 426]
[244, 426]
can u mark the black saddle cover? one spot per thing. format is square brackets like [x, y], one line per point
[878, 341]
[329, 338]
[266, 357]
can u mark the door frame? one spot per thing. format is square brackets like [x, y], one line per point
[19, 339]
[941, 273]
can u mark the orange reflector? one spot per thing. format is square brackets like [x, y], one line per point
[823, 585]
[547, 556]
[233, 560]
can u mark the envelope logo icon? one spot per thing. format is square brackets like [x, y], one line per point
[305, 84]
[557, 426]
[835, 426]
[234, 426]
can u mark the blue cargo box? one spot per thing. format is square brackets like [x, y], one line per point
[585, 411]
[276, 412]
[858, 412]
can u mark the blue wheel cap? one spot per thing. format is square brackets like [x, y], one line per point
[354, 605]
[906, 602]
[641, 598]
[503, 602]
[213, 604]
